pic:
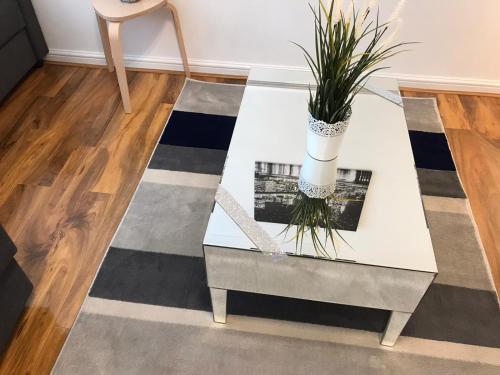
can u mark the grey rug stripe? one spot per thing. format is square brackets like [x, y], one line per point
[188, 159]
[163, 348]
[166, 219]
[458, 253]
[210, 98]
[422, 114]
[440, 183]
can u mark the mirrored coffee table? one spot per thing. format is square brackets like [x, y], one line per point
[387, 263]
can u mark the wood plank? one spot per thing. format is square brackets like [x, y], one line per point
[90, 107]
[131, 135]
[482, 94]
[483, 115]
[452, 112]
[221, 78]
[18, 101]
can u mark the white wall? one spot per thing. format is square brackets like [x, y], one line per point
[459, 48]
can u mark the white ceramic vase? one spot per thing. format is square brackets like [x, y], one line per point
[319, 171]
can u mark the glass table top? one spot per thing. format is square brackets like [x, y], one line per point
[271, 128]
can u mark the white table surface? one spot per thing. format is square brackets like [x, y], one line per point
[271, 127]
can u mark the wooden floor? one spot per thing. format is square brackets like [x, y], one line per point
[70, 160]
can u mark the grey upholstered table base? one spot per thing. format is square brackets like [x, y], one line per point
[397, 290]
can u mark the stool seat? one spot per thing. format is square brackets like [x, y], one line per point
[117, 11]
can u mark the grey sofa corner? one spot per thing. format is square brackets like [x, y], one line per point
[15, 289]
[22, 45]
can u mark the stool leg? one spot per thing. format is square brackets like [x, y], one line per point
[103, 31]
[114, 29]
[180, 39]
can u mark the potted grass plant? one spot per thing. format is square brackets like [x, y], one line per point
[350, 43]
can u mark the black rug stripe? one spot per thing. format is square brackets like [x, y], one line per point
[180, 281]
[191, 129]
[445, 313]
[462, 315]
[440, 183]
[153, 279]
[431, 151]
[188, 159]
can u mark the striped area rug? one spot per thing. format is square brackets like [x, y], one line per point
[149, 308]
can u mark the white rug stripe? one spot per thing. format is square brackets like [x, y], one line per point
[443, 204]
[351, 337]
[166, 177]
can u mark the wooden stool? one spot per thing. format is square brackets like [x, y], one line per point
[110, 15]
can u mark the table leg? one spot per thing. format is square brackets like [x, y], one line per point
[395, 325]
[103, 31]
[114, 30]
[180, 39]
[219, 301]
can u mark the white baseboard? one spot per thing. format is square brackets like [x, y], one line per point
[445, 83]
[242, 69]
[157, 63]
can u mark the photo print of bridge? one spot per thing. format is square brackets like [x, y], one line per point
[276, 188]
